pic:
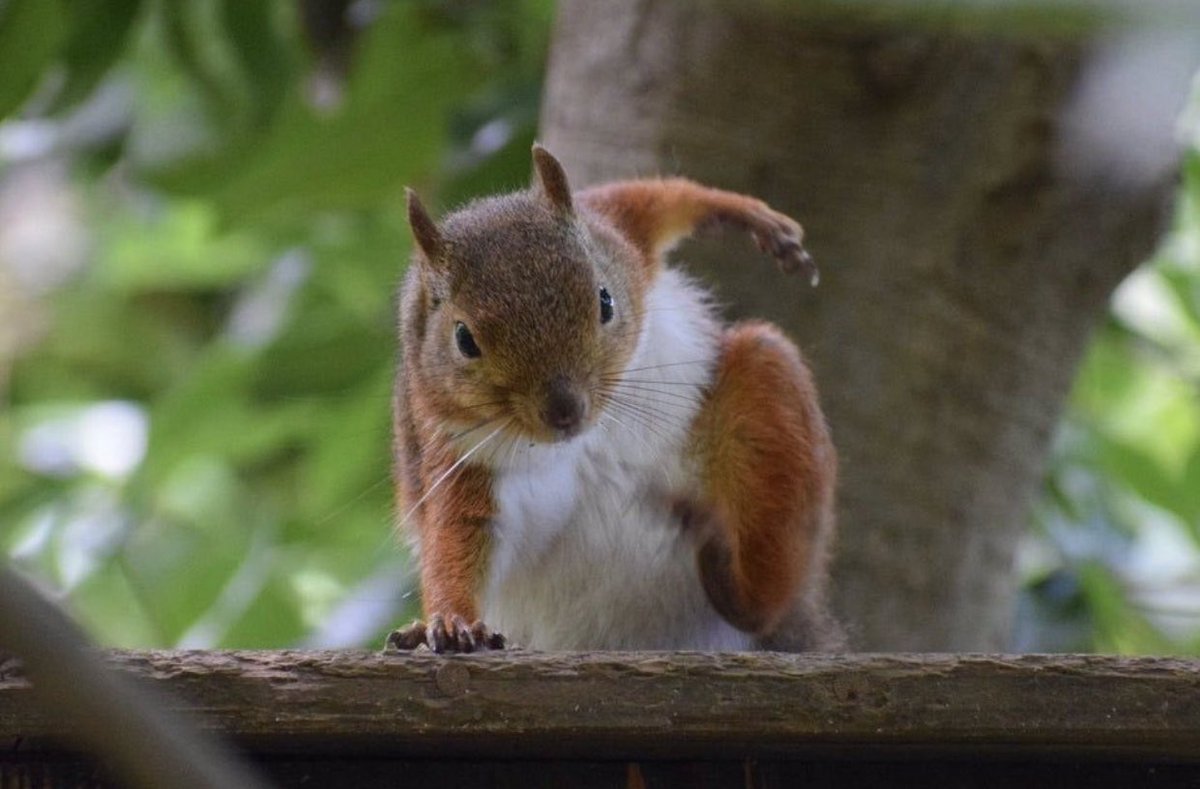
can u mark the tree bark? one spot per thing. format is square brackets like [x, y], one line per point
[965, 256]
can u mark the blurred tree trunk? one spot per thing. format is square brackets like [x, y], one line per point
[967, 243]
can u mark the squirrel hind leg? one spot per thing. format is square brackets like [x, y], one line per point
[809, 626]
[768, 475]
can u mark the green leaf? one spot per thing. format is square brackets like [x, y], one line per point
[110, 606]
[1191, 487]
[270, 461]
[273, 619]
[1145, 476]
[209, 413]
[1119, 626]
[103, 347]
[1191, 174]
[1185, 285]
[389, 130]
[351, 453]
[359, 259]
[181, 566]
[193, 42]
[323, 352]
[1106, 375]
[31, 32]
[180, 249]
[98, 35]
[263, 55]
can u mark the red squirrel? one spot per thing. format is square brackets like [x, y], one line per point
[587, 457]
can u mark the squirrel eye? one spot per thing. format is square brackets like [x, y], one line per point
[466, 342]
[606, 306]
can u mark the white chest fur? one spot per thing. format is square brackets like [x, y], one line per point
[584, 554]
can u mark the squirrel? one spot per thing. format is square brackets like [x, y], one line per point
[587, 457]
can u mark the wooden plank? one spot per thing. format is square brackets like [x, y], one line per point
[622, 706]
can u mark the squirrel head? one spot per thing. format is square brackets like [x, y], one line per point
[526, 310]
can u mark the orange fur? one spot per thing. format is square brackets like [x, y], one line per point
[769, 471]
[767, 465]
[451, 522]
[454, 541]
[656, 214]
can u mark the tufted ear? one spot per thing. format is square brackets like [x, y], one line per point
[424, 230]
[551, 180]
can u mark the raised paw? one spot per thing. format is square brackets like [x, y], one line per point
[442, 635]
[782, 237]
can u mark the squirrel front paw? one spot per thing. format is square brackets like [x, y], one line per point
[443, 636]
[782, 237]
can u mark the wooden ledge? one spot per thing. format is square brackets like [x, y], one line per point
[664, 705]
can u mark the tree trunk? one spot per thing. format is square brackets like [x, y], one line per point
[968, 239]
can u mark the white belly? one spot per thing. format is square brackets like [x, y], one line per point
[584, 554]
[612, 571]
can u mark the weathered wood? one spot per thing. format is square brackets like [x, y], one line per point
[604, 706]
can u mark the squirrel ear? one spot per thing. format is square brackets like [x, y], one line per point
[552, 180]
[424, 230]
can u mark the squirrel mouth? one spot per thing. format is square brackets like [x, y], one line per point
[564, 435]
[565, 410]
[542, 434]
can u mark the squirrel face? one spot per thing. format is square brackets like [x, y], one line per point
[529, 313]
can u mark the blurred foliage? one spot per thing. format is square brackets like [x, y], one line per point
[240, 169]
[194, 445]
[1113, 564]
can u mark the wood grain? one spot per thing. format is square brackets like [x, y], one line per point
[654, 705]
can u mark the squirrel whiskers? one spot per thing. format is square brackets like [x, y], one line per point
[587, 457]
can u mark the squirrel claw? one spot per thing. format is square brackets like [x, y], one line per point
[794, 258]
[808, 266]
[442, 636]
[407, 638]
[781, 237]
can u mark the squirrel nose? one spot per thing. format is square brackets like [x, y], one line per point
[565, 407]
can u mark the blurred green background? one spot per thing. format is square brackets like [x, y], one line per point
[201, 229]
